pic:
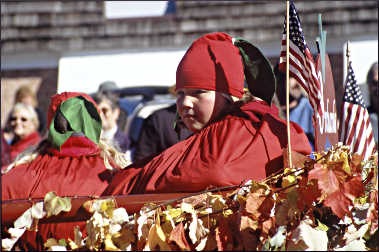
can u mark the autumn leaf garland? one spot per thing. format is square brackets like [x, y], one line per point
[330, 203]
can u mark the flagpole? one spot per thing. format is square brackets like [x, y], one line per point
[347, 56]
[288, 88]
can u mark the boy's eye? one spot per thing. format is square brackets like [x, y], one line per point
[197, 92]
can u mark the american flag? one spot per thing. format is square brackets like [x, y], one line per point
[301, 65]
[355, 128]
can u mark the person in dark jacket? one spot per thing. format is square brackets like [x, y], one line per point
[372, 82]
[158, 133]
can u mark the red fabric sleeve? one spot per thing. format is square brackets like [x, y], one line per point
[225, 153]
[67, 176]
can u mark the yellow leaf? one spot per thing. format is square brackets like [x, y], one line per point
[345, 158]
[107, 206]
[188, 208]
[227, 212]
[78, 236]
[54, 204]
[72, 244]
[217, 202]
[321, 226]
[288, 180]
[109, 246]
[157, 238]
[124, 239]
[173, 213]
[248, 223]
[88, 205]
[50, 242]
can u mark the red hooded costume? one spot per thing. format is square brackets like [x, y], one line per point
[245, 144]
[71, 166]
[24, 143]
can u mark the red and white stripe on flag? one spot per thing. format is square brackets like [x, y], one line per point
[355, 126]
[301, 63]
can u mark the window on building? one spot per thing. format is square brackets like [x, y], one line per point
[129, 9]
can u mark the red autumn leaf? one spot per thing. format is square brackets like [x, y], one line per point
[254, 201]
[196, 200]
[266, 206]
[178, 236]
[267, 226]
[297, 158]
[259, 205]
[224, 236]
[249, 239]
[354, 188]
[308, 193]
[356, 163]
[372, 216]
[330, 176]
[326, 179]
[339, 203]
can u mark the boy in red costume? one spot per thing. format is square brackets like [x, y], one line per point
[236, 137]
[71, 162]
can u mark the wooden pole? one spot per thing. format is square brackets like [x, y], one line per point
[288, 87]
[347, 57]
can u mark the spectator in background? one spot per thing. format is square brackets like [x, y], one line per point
[158, 133]
[372, 82]
[109, 87]
[108, 104]
[301, 110]
[23, 124]
[26, 95]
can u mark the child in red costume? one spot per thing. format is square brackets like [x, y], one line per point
[236, 137]
[71, 162]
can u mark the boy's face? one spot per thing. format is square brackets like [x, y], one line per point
[197, 107]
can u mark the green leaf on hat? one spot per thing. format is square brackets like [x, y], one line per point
[259, 75]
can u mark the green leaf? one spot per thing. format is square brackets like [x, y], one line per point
[62, 242]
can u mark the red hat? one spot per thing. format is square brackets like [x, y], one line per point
[212, 63]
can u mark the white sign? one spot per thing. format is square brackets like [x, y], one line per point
[84, 72]
[362, 55]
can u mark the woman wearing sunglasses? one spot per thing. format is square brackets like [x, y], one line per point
[24, 129]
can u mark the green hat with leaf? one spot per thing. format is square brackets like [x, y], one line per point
[258, 71]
